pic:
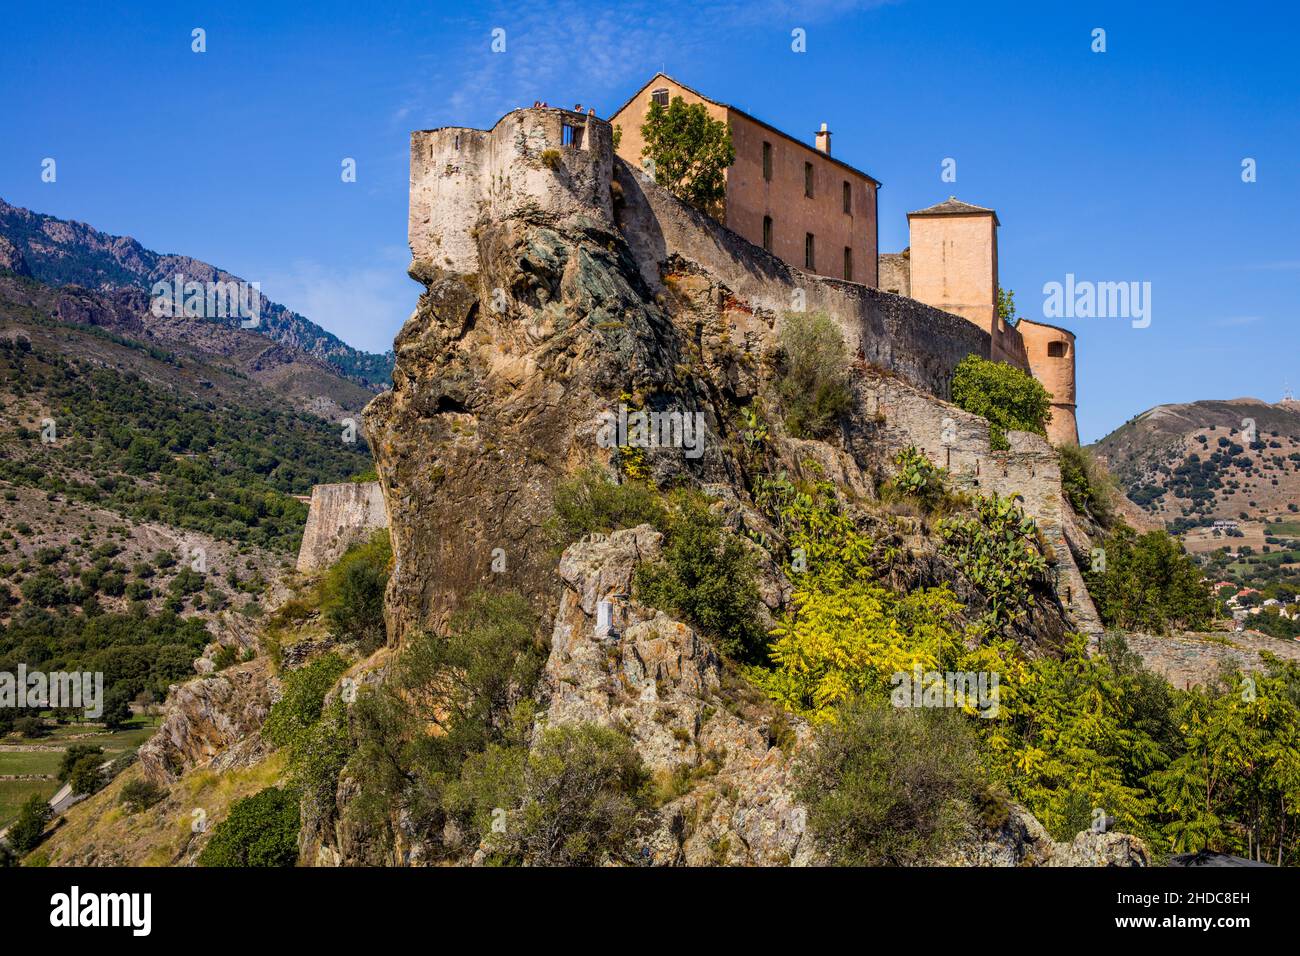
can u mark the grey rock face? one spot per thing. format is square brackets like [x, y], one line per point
[1022, 841]
[660, 682]
[206, 718]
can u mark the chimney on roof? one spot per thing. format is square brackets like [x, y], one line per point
[824, 140]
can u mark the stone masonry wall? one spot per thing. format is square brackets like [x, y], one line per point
[339, 515]
[896, 272]
[1188, 660]
[959, 441]
[459, 175]
[916, 341]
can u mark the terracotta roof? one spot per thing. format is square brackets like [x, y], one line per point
[748, 116]
[952, 206]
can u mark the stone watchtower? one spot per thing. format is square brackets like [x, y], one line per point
[954, 253]
[952, 264]
[553, 160]
[1051, 360]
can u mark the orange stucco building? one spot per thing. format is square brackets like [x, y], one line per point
[795, 200]
[820, 214]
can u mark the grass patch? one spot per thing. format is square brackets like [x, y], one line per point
[14, 793]
[590, 502]
[30, 761]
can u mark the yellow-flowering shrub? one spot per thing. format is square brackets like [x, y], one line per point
[842, 642]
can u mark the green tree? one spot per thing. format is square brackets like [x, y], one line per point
[1232, 786]
[26, 832]
[472, 687]
[1011, 400]
[261, 830]
[1086, 485]
[31, 727]
[352, 593]
[87, 775]
[889, 787]
[117, 707]
[709, 577]
[814, 382]
[1149, 583]
[585, 795]
[1006, 306]
[302, 698]
[590, 502]
[838, 643]
[1072, 734]
[997, 548]
[44, 589]
[140, 795]
[468, 681]
[73, 755]
[690, 151]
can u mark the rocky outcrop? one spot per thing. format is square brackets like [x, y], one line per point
[1020, 840]
[531, 324]
[731, 753]
[339, 515]
[209, 719]
[560, 284]
[11, 258]
[663, 685]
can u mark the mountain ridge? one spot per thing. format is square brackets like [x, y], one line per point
[61, 252]
[228, 359]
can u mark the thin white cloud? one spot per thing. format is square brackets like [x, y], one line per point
[587, 51]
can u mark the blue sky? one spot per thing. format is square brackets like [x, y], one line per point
[1115, 166]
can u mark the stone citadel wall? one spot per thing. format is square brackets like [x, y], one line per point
[338, 516]
[559, 165]
[459, 175]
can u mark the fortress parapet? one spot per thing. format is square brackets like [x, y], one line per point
[339, 516]
[553, 161]
[1051, 359]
